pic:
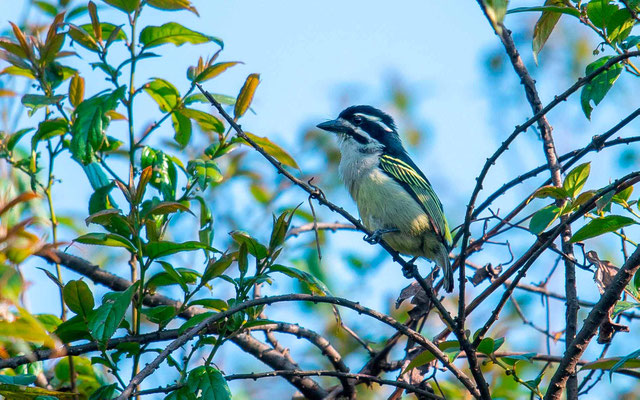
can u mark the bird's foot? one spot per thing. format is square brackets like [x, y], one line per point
[375, 237]
[409, 268]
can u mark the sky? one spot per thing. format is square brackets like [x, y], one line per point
[309, 53]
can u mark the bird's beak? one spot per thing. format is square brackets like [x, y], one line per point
[335, 126]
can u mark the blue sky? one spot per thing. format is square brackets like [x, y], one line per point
[309, 53]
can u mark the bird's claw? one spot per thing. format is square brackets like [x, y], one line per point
[375, 237]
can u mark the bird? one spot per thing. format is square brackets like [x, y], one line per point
[395, 200]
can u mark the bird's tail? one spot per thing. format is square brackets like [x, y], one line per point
[445, 264]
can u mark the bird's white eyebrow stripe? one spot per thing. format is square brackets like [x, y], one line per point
[376, 120]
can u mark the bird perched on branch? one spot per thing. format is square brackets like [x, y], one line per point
[395, 200]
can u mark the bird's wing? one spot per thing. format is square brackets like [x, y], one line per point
[414, 182]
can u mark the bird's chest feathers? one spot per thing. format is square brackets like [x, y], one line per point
[382, 202]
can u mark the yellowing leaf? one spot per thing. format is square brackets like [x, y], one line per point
[76, 90]
[274, 150]
[246, 95]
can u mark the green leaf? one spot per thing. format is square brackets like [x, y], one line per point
[253, 246]
[280, 228]
[314, 284]
[421, 359]
[623, 196]
[620, 25]
[597, 89]
[164, 93]
[547, 22]
[10, 284]
[214, 70]
[214, 304]
[15, 138]
[205, 171]
[160, 314]
[167, 207]
[542, 219]
[274, 150]
[513, 359]
[628, 361]
[486, 346]
[36, 101]
[551, 191]
[168, 268]
[106, 319]
[195, 320]
[106, 392]
[161, 249]
[73, 329]
[172, 32]
[600, 12]
[602, 225]
[555, 9]
[208, 383]
[183, 128]
[19, 392]
[217, 267]
[106, 239]
[576, 179]
[200, 98]
[173, 5]
[127, 6]
[164, 177]
[90, 125]
[18, 379]
[632, 41]
[48, 129]
[207, 122]
[246, 95]
[78, 297]
[496, 10]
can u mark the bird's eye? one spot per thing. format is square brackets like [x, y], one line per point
[357, 120]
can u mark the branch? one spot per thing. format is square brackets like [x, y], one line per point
[321, 226]
[595, 318]
[188, 335]
[117, 283]
[357, 377]
[314, 192]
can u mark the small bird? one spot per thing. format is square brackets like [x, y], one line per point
[393, 196]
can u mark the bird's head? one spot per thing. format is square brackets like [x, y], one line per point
[368, 129]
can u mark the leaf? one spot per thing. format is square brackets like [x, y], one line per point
[486, 346]
[542, 219]
[127, 6]
[200, 98]
[195, 320]
[18, 392]
[253, 246]
[583, 198]
[18, 379]
[514, 358]
[106, 392]
[78, 297]
[163, 93]
[597, 89]
[205, 171]
[208, 383]
[623, 196]
[111, 218]
[161, 249]
[26, 328]
[183, 128]
[246, 95]
[160, 314]
[214, 70]
[90, 125]
[620, 25]
[274, 150]
[557, 9]
[10, 284]
[628, 361]
[600, 12]
[106, 239]
[314, 284]
[76, 90]
[551, 191]
[72, 330]
[576, 179]
[206, 121]
[280, 228]
[168, 207]
[602, 225]
[546, 24]
[106, 319]
[421, 359]
[48, 129]
[496, 10]
[173, 5]
[214, 304]
[172, 32]
[168, 268]
[36, 101]
[15, 138]
[217, 267]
